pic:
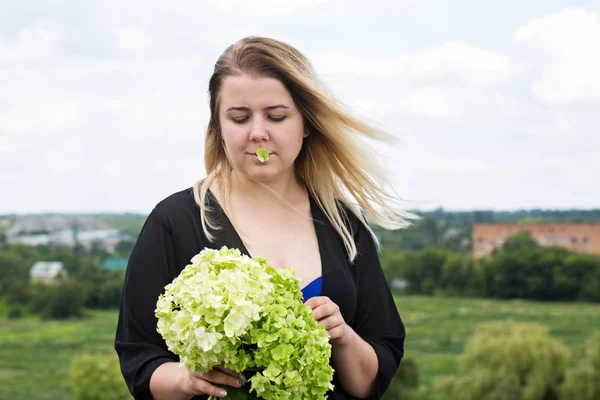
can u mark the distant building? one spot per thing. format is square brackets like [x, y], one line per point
[47, 271]
[115, 263]
[64, 231]
[579, 237]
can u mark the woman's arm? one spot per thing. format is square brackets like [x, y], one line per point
[356, 364]
[366, 356]
[376, 319]
[354, 360]
[150, 370]
[140, 347]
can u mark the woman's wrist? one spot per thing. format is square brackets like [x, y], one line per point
[170, 382]
[349, 339]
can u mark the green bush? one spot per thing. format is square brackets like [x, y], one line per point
[591, 288]
[581, 383]
[97, 377]
[593, 350]
[15, 312]
[478, 385]
[110, 294]
[520, 353]
[18, 293]
[63, 300]
[39, 297]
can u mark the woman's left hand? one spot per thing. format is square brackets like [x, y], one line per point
[327, 313]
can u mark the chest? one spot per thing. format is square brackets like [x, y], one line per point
[309, 257]
[287, 239]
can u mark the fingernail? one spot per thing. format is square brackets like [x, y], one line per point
[222, 393]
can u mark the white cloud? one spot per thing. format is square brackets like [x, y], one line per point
[34, 42]
[429, 102]
[438, 82]
[458, 61]
[564, 125]
[159, 115]
[567, 43]
[48, 115]
[133, 39]
[103, 105]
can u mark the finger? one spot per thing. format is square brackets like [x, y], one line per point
[203, 387]
[317, 301]
[337, 332]
[231, 372]
[221, 378]
[225, 371]
[325, 311]
[332, 321]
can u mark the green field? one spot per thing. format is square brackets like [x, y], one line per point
[35, 355]
[437, 328]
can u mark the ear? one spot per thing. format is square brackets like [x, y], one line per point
[305, 134]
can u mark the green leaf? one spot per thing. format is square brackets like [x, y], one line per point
[263, 155]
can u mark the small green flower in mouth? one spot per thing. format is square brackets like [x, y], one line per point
[263, 155]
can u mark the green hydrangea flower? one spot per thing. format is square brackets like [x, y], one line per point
[227, 308]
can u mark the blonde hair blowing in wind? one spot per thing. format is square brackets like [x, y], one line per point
[333, 162]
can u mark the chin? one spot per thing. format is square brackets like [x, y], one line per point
[261, 176]
[263, 173]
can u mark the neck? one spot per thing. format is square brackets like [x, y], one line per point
[283, 188]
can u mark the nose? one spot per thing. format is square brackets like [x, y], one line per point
[258, 130]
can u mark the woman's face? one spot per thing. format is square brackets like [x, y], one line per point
[260, 112]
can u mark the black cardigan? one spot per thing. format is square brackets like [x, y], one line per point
[172, 235]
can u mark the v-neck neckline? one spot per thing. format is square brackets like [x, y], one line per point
[317, 223]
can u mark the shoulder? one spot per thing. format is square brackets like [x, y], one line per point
[175, 201]
[176, 207]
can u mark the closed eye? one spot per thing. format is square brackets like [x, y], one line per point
[240, 120]
[277, 119]
[244, 119]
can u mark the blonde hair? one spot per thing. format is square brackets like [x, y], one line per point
[333, 162]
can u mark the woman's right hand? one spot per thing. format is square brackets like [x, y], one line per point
[205, 384]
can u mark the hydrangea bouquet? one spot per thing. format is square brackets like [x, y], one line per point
[228, 309]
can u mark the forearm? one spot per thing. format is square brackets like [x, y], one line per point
[356, 364]
[166, 383]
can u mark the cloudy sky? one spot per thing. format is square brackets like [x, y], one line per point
[103, 104]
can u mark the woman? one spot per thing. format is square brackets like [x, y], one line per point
[302, 208]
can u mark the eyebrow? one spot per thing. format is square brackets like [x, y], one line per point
[266, 108]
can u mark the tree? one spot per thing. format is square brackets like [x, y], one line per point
[582, 382]
[458, 275]
[63, 300]
[432, 230]
[518, 241]
[503, 356]
[124, 247]
[479, 385]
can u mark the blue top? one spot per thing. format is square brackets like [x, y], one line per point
[312, 289]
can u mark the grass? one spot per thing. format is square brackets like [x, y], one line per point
[437, 328]
[35, 355]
